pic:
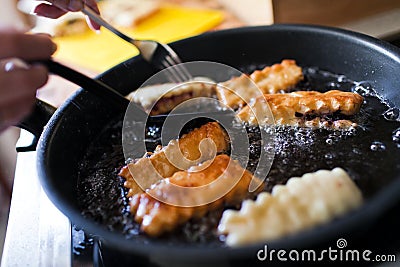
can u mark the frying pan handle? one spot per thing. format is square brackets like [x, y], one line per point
[35, 123]
[96, 87]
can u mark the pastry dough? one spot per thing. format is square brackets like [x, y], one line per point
[162, 98]
[157, 218]
[149, 170]
[291, 108]
[239, 91]
[302, 203]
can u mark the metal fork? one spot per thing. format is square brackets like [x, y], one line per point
[159, 55]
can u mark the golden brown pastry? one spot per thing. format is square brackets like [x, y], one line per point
[156, 217]
[271, 80]
[149, 170]
[302, 203]
[292, 108]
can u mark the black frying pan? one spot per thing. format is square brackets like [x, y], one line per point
[74, 125]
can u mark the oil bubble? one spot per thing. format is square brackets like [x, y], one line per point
[351, 131]
[329, 156]
[283, 154]
[286, 145]
[342, 78]
[396, 136]
[392, 114]
[299, 135]
[269, 148]
[153, 131]
[329, 141]
[397, 132]
[129, 160]
[377, 146]
[363, 89]
[333, 85]
[334, 137]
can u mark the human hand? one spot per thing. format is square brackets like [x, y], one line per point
[56, 8]
[18, 86]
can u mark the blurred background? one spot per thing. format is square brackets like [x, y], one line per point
[166, 21]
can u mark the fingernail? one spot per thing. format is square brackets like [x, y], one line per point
[93, 25]
[34, 11]
[14, 64]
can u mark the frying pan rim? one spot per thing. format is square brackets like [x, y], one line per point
[384, 198]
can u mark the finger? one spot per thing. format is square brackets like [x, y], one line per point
[54, 12]
[15, 111]
[20, 83]
[93, 5]
[25, 46]
[18, 91]
[49, 11]
[67, 5]
[33, 78]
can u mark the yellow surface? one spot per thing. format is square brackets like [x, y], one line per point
[101, 51]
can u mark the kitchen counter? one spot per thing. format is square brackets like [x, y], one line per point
[38, 234]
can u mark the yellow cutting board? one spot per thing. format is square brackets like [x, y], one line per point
[101, 51]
